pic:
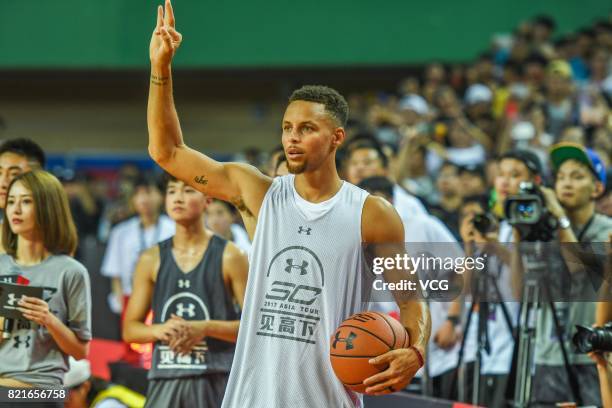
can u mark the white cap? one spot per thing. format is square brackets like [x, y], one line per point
[415, 103]
[523, 131]
[519, 91]
[478, 93]
[78, 373]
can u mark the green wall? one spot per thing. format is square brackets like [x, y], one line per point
[115, 33]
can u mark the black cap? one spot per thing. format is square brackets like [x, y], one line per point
[529, 158]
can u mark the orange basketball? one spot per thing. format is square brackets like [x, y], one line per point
[360, 338]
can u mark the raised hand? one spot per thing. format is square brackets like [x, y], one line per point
[165, 39]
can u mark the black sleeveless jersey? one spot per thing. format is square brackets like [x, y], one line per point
[199, 294]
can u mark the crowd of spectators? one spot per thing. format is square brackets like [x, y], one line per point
[441, 131]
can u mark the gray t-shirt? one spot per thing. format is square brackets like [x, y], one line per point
[548, 351]
[597, 231]
[31, 355]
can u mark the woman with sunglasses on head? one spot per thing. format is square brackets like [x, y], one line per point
[39, 238]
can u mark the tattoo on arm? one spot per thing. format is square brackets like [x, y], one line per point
[159, 80]
[201, 180]
[238, 202]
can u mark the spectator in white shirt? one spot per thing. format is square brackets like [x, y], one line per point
[365, 159]
[425, 232]
[132, 236]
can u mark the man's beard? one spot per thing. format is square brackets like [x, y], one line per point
[296, 169]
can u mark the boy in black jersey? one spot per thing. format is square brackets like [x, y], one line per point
[191, 281]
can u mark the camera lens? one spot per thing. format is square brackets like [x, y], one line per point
[525, 210]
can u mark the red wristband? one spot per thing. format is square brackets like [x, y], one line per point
[419, 355]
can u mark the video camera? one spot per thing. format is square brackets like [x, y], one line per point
[598, 339]
[527, 212]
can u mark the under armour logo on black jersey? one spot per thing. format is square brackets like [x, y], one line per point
[305, 230]
[348, 340]
[301, 267]
[184, 283]
[181, 310]
[19, 342]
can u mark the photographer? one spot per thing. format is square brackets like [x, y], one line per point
[604, 360]
[481, 237]
[579, 180]
[603, 315]
[515, 167]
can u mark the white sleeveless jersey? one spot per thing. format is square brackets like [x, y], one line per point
[304, 280]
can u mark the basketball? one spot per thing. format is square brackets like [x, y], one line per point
[358, 339]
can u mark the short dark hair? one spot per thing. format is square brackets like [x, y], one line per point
[527, 157]
[150, 180]
[166, 179]
[448, 163]
[486, 56]
[536, 58]
[378, 184]
[546, 21]
[335, 104]
[370, 145]
[602, 25]
[588, 32]
[228, 206]
[362, 135]
[475, 169]
[480, 199]
[25, 147]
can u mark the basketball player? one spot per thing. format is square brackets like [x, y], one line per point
[187, 280]
[303, 278]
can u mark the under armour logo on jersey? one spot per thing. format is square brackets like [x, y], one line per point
[301, 267]
[184, 283]
[305, 230]
[348, 340]
[19, 342]
[181, 310]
